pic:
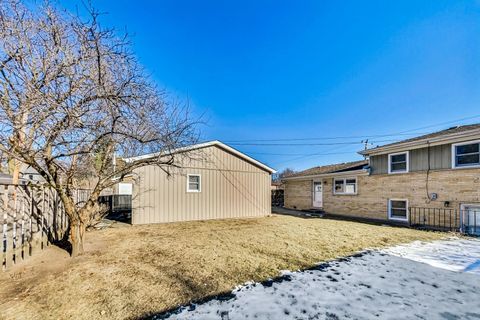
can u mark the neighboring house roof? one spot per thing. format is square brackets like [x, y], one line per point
[205, 145]
[8, 179]
[450, 135]
[5, 178]
[277, 185]
[27, 169]
[331, 169]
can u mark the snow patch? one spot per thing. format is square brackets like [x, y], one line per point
[368, 285]
[459, 255]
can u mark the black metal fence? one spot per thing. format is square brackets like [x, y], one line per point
[443, 219]
[117, 203]
[446, 219]
[278, 198]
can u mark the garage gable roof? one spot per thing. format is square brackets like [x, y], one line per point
[205, 145]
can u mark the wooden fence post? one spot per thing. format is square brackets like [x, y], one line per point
[5, 226]
[30, 221]
[14, 221]
[42, 235]
[47, 215]
[9, 249]
[23, 231]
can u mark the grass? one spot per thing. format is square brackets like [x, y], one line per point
[133, 271]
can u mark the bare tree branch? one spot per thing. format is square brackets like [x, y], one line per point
[72, 95]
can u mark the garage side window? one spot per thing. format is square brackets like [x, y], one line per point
[193, 183]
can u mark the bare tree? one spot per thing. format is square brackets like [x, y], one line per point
[72, 96]
[283, 174]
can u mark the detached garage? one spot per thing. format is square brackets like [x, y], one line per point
[208, 181]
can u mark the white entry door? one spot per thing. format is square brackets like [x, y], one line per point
[317, 194]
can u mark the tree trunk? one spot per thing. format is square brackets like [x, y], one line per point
[77, 234]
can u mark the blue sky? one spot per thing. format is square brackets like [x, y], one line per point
[266, 70]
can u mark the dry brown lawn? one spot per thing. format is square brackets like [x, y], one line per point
[133, 271]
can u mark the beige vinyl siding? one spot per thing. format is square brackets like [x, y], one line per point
[379, 164]
[440, 158]
[230, 187]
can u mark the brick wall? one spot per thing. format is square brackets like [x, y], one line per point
[456, 186]
[298, 194]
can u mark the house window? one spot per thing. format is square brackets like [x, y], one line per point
[398, 162]
[345, 186]
[466, 155]
[398, 209]
[193, 183]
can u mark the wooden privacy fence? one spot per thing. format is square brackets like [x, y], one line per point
[33, 217]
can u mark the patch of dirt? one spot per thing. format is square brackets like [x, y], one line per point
[50, 261]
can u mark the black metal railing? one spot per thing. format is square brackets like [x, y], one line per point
[278, 198]
[117, 202]
[445, 219]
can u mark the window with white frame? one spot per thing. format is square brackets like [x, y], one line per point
[193, 183]
[466, 154]
[398, 209]
[398, 162]
[345, 186]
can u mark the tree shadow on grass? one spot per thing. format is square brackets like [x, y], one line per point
[62, 242]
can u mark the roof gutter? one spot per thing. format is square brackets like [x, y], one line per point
[423, 143]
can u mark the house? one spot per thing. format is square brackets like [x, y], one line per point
[312, 188]
[31, 174]
[436, 171]
[207, 181]
[27, 174]
[276, 185]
